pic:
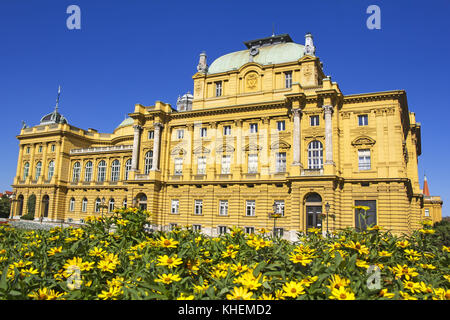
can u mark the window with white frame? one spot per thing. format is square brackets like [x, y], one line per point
[26, 170]
[288, 79]
[51, 170]
[197, 227]
[111, 205]
[201, 165]
[180, 134]
[250, 206]
[281, 125]
[364, 159]
[40, 149]
[178, 166]
[203, 132]
[88, 171]
[198, 207]
[280, 207]
[148, 161]
[315, 155]
[72, 204]
[218, 88]
[115, 170]
[280, 162]
[253, 163]
[427, 212]
[101, 171]
[127, 168]
[28, 150]
[314, 121]
[253, 127]
[53, 148]
[76, 172]
[249, 230]
[279, 232]
[223, 207]
[175, 206]
[222, 229]
[98, 203]
[84, 203]
[226, 164]
[227, 130]
[363, 119]
[151, 135]
[38, 170]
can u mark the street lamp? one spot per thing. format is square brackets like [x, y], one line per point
[274, 215]
[103, 205]
[327, 210]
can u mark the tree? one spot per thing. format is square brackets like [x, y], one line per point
[5, 206]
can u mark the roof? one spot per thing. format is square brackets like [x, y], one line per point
[266, 55]
[127, 122]
[53, 117]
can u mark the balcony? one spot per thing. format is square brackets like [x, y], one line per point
[141, 176]
[312, 172]
[102, 149]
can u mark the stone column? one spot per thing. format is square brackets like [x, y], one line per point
[135, 154]
[328, 135]
[156, 143]
[296, 137]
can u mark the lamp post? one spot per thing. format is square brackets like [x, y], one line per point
[103, 205]
[274, 215]
[327, 210]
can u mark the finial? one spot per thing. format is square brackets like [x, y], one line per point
[310, 49]
[57, 99]
[273, 29]
[202, 66]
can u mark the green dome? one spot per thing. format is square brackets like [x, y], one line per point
[127, 122]
[267, 55]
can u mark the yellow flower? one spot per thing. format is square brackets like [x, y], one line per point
[404, 271]
[385, 253]
[170, 262]
[229, 253]
[362, 249]
[406, 296]
[304, 259]
[402, 244]
[362, 263]
[386, 294]
[106, 266]
[238, 268]
[447, 277]
[97, 252]
[168, 278]
[266, 297]
[411, 286]
[314, 230]
[427, 222]
[122, 222]
[21, 264]
[308, 281]
[293, 289]
[441, 294]
[424, 288]
[427, 266]
[427, 231]
[183, 297]
[167, 243]
[46, 294]
[375, 227]
[342, 294]
[54, 250]
[239, 293]
[279, 294]
[249, 281]
[112, 293]
[337, 282]
[446, 249]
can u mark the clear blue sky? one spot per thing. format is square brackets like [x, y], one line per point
[138, 51]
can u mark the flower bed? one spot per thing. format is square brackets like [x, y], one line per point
[115, 258]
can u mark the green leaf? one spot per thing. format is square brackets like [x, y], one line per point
[3, 281]
[259, 268]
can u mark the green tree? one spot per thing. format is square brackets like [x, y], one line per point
[5, 205]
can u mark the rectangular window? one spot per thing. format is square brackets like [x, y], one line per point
[197, 227]
[288, 79]
[250, 208]
[253, 163]
[84, 205]
[175, 206]
[280, 207]
[223, 207]
[360, 222]
[218, 88]
[178, 166]
[40, 149]
[364, 159]
[203, 132]
[201, 165]
[253, 127]
[180, 134]
[226, 165]
[28, 149]
[314, 121]
[72, 205]
[151, 135]
[198, 209]
[281, 162]
[279, 232]
[249, 230]
[222, 229]
[53, 147]
[227, 130]
[363, 120]
[281, 125]
[427, 212]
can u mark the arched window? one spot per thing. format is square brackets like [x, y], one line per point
[111, 205]
[76, 172]
[98, 203]
[127, 168]
[88, 171]
[72, 204]
[26, 170]
[101, 171]
[51, 170]
[315, 155]
[38, 170]
[148, 162]
[115, 170]
[45, 205]
[84, 205]
[20, 205]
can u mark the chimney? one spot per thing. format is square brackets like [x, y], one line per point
[425, 191]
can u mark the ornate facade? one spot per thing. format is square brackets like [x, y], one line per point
[264, 126]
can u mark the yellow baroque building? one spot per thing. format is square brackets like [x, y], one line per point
[265, 130]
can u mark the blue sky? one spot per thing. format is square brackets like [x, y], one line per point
[138, 51]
